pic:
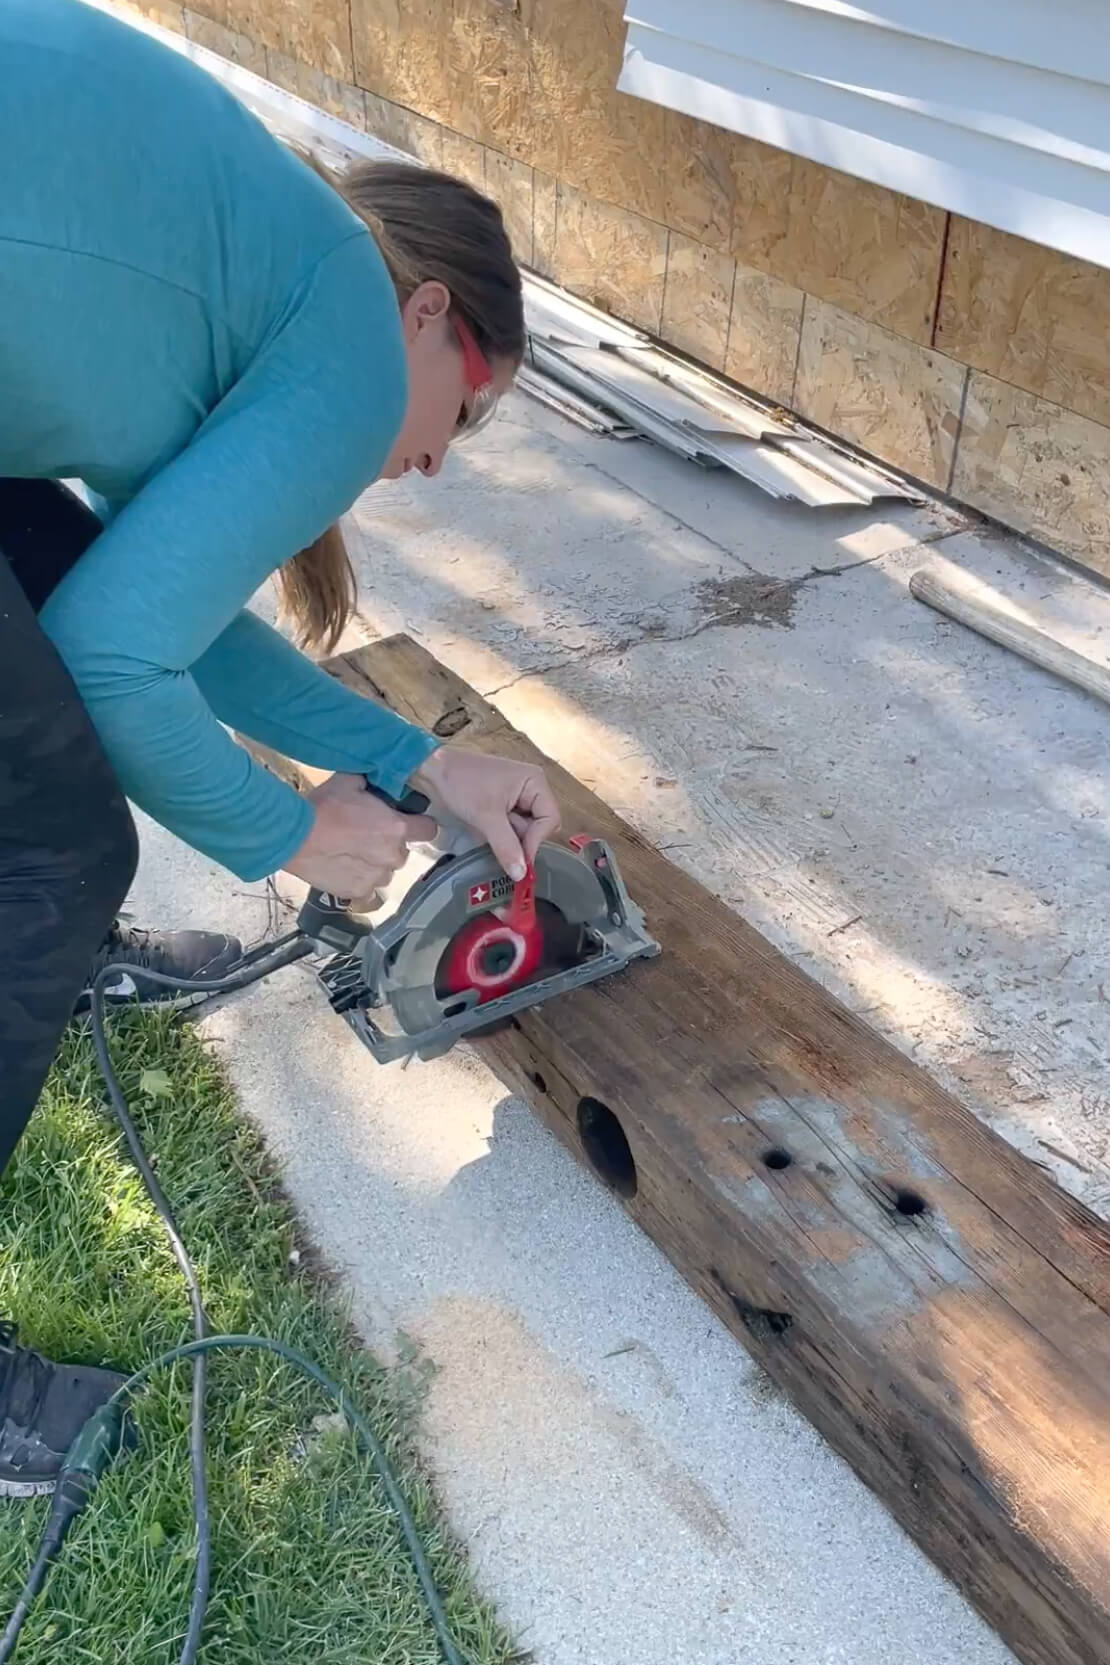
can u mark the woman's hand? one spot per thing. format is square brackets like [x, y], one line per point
[508, 805]
[357, 843]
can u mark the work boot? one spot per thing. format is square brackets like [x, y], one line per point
[190, 956]
[43, 1407]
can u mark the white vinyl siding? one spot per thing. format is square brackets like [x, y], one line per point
[996, 109]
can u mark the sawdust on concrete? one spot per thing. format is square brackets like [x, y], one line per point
[751, 598]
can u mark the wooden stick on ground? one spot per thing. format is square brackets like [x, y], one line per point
[953, 591]
[935, 1305]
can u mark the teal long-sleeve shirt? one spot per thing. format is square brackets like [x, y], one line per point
[198, 328]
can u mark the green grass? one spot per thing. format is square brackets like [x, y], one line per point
[308, 1567]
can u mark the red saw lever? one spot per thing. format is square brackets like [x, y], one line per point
[498, 950]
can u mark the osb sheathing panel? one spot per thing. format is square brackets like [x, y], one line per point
[317, 32]
[1028, 315]
[545, 214]
[465, 158]
[403, 50]
[404, 130]
[238, 49]
[1034, 466]
[697, 300]
[338, 98]
[536, 80]
[610, 257]
[730, 192]
[167, 14]
[888, 395]
[498, 74]
[608, 144]
[863, 248]
[510, 184]
[857, 245]
[764, 334]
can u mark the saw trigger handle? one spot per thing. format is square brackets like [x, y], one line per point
[412, 803]
[327, 918]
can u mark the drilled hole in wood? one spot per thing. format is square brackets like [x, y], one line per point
[910, 1204]
[606, 1147]
[451, 722]
[777, 1159]
[538, 1081]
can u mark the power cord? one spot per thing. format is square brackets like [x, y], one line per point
[100, 1440]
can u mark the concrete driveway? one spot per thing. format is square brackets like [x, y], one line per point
[916, 817]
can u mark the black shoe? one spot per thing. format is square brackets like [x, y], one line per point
[190, 956]
[43, 1407]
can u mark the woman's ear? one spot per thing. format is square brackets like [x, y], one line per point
[426, 305]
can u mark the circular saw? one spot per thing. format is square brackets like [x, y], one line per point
[467, 948]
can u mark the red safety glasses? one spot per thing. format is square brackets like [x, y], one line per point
[481, 401]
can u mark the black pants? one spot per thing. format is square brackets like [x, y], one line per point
[68, 848]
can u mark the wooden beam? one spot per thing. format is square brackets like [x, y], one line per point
[963, 597]
[933, 1303]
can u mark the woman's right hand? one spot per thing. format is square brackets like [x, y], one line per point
[357, 843]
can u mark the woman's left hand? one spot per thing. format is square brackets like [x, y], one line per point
[508, 805]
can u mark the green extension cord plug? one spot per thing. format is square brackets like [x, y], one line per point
[97, 1445]
[94, 1449]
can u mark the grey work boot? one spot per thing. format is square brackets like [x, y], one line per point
[191, 956]
[43, 1407]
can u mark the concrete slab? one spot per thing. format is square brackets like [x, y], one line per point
[917, 817]
[543, 544]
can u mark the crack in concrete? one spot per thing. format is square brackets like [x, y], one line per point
[584, 657]
[745, 611]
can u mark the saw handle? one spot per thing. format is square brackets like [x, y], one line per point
[413, 803]
[327, 918]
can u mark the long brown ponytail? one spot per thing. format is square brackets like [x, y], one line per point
[428, 226]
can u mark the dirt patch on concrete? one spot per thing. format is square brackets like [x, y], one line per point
[755, 598]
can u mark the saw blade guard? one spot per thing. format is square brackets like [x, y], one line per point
[401, 961]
